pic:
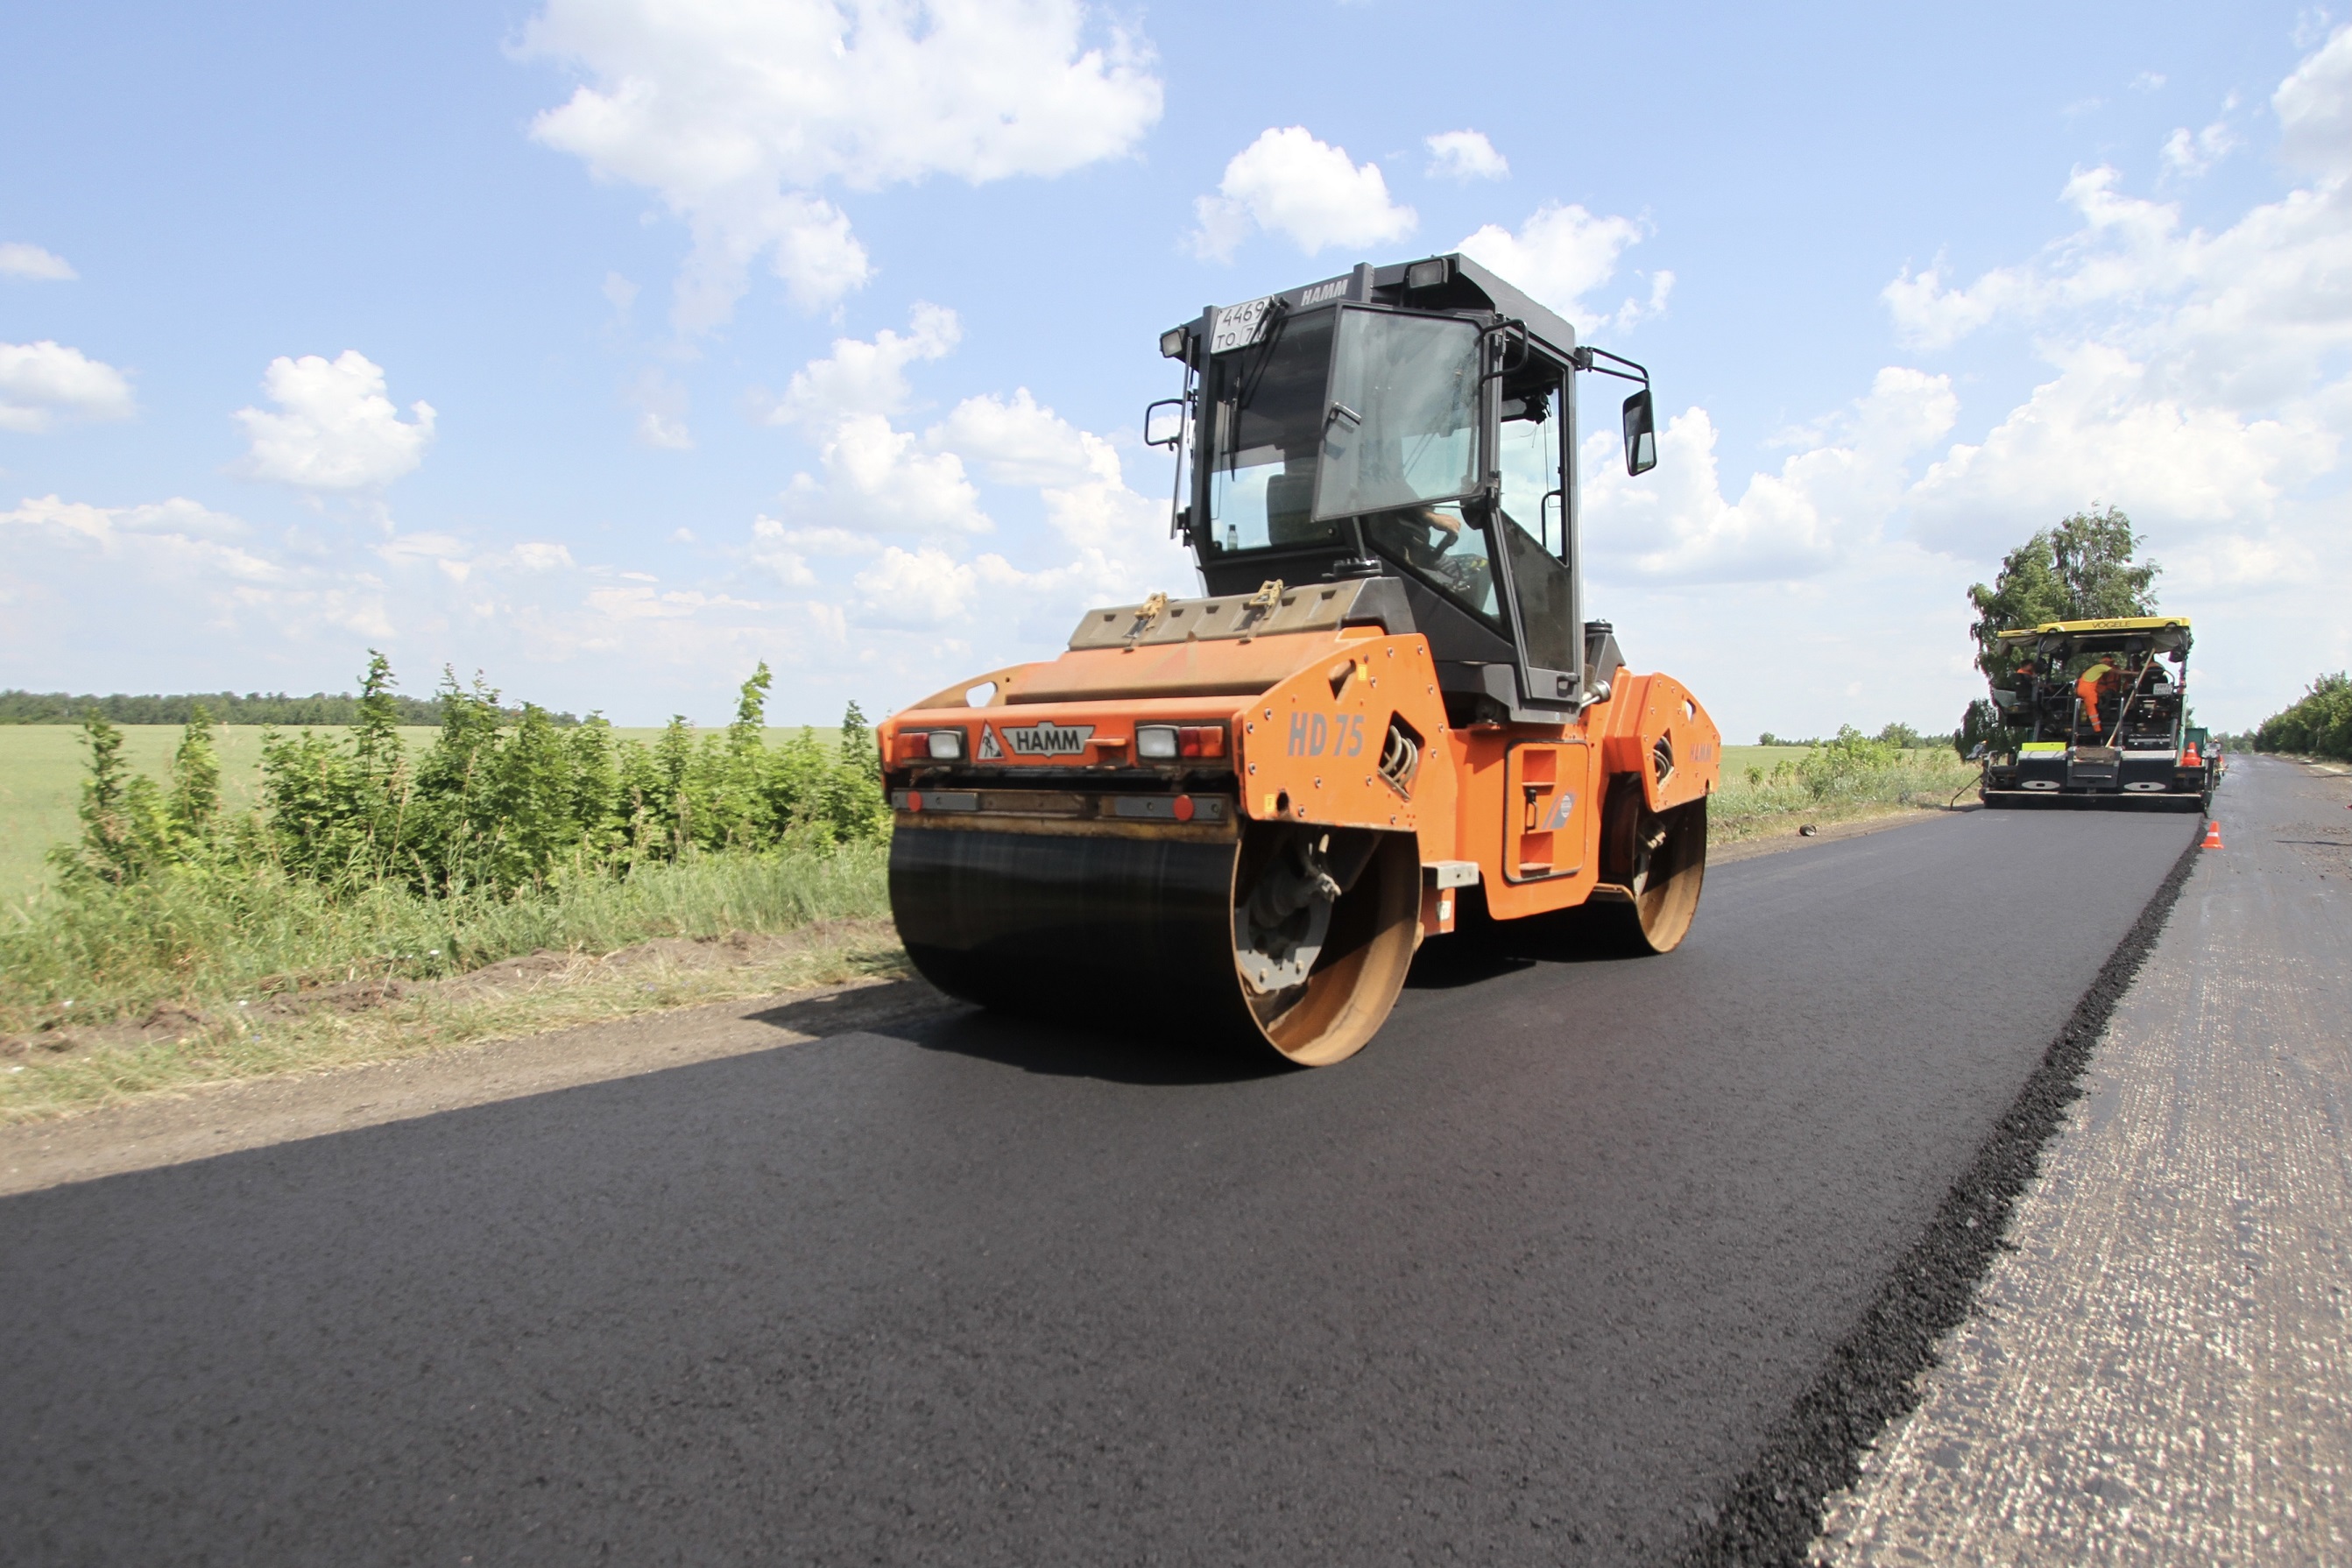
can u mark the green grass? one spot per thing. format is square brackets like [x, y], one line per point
[42, 767]
[78, 977]
[1926, 778]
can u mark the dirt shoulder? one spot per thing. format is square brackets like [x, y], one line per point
[221, 1118]
[1803, 832]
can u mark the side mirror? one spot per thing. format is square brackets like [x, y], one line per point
[1163, 422]
[1640, 434]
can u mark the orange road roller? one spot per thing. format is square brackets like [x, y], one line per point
[1236, 817]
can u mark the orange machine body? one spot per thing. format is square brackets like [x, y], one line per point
[1310, 720]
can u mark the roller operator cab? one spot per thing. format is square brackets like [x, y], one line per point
[1236, 817]
[2097, 713]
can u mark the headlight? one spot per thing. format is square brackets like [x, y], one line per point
[1155, 742]
[946, 745]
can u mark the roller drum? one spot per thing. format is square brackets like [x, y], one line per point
[1139, 934]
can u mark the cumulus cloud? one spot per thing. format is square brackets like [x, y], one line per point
[863, 377]
[2196, 378]
[334, 429]
[2313, 106]
[736, 114]
[44, 382]
[927, 588]
[33, 264]
[1825, 503]
[177, 535]
[1464, 155]
[1309, 192]
[882, 527]
[872, 475]
[2189, 155]
[1561, 254]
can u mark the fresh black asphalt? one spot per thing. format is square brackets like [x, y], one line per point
[1533, 1279]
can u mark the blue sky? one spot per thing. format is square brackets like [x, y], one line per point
[609, 347]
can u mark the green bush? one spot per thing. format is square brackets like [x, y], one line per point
[494, 803]
[1846, 765]
[508, 833]
[2319, 725]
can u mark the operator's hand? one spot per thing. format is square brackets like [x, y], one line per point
[1451, 527]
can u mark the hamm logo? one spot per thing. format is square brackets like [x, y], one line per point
[1048, 740]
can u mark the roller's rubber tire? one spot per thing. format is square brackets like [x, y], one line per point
[1661, 855]
[1137, 935]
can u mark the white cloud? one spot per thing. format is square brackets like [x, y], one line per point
[2114, 429]
[736, 113]
[1103, 541]
[1022, 443]
[1118, 538]
[2313, 105]
[2147, 81]
[784, 550]
[177, 535]
[1677, 524]
[1563, 253]
[861, 378]
[926, 588]
[1464, 155]
[33, 264]
[2189, 156]
[40, 383]
[661, 403]
[335, 429]
[2248, 313]
[873, 475]
[1287, 182]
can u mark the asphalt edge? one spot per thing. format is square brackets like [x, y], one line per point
[1773, 1513]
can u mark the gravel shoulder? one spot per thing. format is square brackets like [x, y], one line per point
[2158, 1369]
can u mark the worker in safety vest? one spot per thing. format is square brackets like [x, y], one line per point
[2086, 687]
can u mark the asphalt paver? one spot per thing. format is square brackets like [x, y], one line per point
[1526, 1281]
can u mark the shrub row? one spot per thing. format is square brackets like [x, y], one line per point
[489, 806]
[2319, 725]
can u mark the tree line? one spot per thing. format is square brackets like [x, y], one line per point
[223, 708]
[491, 803]
[2320, 724]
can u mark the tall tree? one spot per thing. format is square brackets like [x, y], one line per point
[2085, 569]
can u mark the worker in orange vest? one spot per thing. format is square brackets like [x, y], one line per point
[2086, 687]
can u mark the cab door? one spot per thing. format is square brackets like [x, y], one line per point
[1544, 814]
[1535, 433]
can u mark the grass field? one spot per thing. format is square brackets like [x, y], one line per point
[42, 767]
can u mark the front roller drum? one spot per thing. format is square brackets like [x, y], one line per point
[1294, 938]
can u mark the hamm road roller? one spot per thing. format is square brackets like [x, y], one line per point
[1235, 817]
[2102, 720]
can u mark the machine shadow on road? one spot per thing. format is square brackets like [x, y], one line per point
[1481, 949]
[1059, 1049]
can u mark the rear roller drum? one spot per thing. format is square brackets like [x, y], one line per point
[1660, 857]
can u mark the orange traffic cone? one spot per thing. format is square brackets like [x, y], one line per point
[2189, 759]
[2212, 834]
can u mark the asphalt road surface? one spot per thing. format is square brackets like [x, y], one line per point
[1524, 1282]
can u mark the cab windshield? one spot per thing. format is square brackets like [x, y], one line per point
[1339, 414]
